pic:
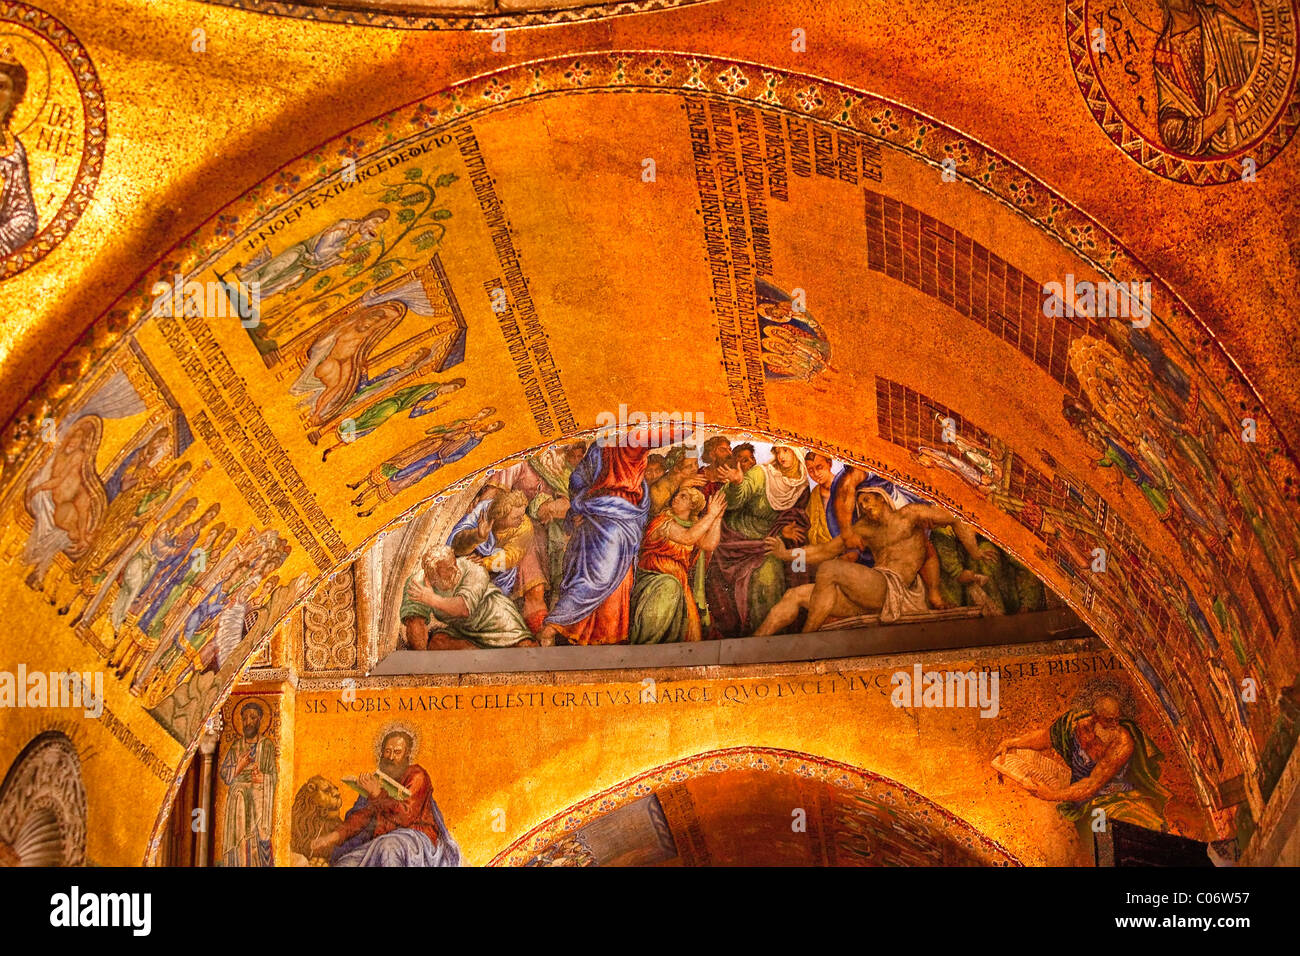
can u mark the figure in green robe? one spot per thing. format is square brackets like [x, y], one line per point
[249, 771]
[454, 599]
[1114, 766]
[415, 400]
[744, 582]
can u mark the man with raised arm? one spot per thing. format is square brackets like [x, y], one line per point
[892, 588]
[609, 507]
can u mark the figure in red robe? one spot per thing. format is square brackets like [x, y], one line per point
[384, 828]
[609, 505]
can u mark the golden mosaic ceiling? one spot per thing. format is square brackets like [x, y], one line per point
[618, 208]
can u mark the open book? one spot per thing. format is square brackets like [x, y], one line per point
[391, 786]
[1033, 766]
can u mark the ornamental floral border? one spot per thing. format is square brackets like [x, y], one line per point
[93, 109]
[839, 775]
[398, 20]
[854, 111]
[1134, 144]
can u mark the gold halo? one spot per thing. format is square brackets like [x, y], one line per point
[394, 727]
[237, 716]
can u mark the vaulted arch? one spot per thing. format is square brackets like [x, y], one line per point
[632, 230]
[733, 808]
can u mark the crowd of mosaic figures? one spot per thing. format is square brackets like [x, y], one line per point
[660, 535]
[166, 587]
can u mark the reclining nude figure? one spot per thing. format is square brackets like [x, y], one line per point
[892, 588]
